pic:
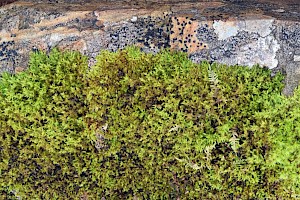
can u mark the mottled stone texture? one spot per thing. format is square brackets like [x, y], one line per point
[240, 32]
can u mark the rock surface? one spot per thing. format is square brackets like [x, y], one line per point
[244, 32]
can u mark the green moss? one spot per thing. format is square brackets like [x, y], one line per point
[146, 126]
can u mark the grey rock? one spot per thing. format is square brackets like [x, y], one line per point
[240, 32]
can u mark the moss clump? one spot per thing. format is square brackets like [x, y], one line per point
[146, 126]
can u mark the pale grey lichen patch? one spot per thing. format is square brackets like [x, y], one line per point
[55, 38]
[245, 48]
[226, 29]
[263, 27]
[230, 28]
[224, 50]
[262, 52]
[134, 19]
[297, 58]
[246, 41]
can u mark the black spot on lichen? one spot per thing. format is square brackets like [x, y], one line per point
[206, 34]
[155, 31]
[151, 34]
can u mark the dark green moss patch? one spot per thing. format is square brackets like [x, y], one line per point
[146, 126]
